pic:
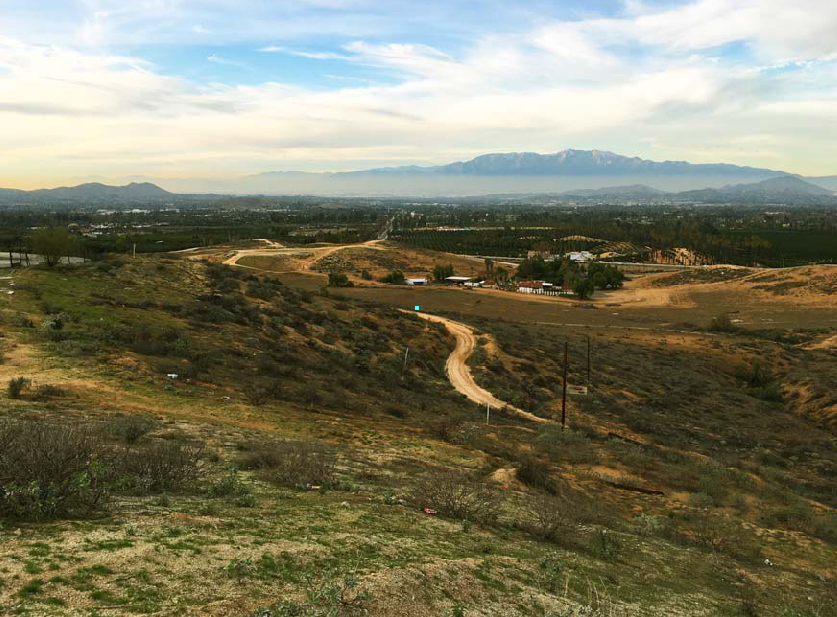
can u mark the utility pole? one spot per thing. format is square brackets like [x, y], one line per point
[406, 352]
[564, 399]
[487, 411]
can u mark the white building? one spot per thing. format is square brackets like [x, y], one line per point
[416, 281]
[581, 256]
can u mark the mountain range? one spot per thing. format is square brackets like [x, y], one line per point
[578, 173]
[88, 192]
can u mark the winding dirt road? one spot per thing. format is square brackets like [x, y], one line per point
[459, 372]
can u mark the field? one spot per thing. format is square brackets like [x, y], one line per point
[302, 431]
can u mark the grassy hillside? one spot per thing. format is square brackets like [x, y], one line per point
[200, 440]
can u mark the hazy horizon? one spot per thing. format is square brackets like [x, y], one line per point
[187, 89]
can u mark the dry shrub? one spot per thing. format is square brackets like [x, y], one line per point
[51, 470]
[47, 392]
[160, 466]
[554, 516]
[130, 428]
[716, 533]
[536, 474]
[296, 464]
[457, 495]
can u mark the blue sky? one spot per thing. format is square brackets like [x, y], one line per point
[187, 88]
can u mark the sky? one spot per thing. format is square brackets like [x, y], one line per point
[114, 90]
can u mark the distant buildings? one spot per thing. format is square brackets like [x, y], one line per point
[580, 256]
[416, 281]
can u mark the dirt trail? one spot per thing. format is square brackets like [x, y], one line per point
[459, 372]
[311, 254]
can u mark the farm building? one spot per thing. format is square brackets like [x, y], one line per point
[416, 281]
[536, 287]
[580, 256]
[458, 280]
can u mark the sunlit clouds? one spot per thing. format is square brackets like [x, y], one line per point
[206, 89]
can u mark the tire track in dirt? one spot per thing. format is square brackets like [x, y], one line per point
[459, 373]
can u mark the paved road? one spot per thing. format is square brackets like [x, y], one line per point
[459, 372]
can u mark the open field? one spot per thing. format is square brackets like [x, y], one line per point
[697, 477]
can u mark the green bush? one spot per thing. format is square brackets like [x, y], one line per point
[393, 278]
[337, 279]
[329, 598]
[231, 488]
[17, 386]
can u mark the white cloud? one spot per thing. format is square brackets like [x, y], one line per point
[651, 82]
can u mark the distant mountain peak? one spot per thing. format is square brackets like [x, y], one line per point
[572, 162]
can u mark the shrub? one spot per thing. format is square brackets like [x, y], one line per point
[46, 392]
[571, 446]
[722, 323]
[535, 473]
[330, 598]
[131, 428]
[336, 279]
[261, 392]
[17, 385]
[231, 488]
[51, 470]
[549, 517]
[457, 495]
[161, 466]
[295, 464]
[393, 278]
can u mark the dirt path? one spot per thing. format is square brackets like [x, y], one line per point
[459, 372]
[311, 255]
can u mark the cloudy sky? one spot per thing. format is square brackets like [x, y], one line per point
[115, 89]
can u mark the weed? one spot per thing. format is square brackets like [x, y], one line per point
[330, 598]
[231, 488]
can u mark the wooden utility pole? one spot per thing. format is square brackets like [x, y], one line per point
[487, 411]
[564, 399]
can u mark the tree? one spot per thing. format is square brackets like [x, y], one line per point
[365, 275]
[52, 244]
[440, 272]
[489, 267]
[583, 288]
[336, 279]
[394, 278]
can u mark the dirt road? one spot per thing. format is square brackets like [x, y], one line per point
[307, 256]
[459, 372]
